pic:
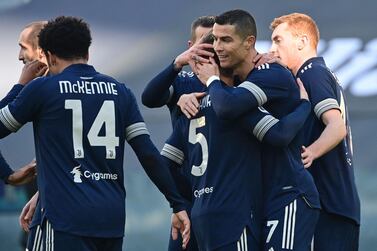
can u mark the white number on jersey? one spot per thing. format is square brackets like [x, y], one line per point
[106, 115]
[199, 138]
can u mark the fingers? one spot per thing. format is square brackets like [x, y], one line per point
[22, 221]
[191, 108]
[185, 228]
[174, 233]
[306, 157]
[257, 58]
[199, 95]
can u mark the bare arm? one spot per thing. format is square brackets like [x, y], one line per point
[334, 132]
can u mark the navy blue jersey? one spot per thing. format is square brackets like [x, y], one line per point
[274, 87]
[165, 89]
[5, 170]
[333, 172]
[224, 161]
[81, 119]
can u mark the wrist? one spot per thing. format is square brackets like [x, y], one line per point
[177, 66]
[211, 79]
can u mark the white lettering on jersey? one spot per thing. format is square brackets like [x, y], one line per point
[88, 87]
[205, 190]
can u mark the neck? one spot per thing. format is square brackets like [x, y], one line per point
[63, 63]
[226, 76]
[246, 66]
[301, 59]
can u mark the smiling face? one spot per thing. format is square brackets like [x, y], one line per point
[230, 47]
[285, 45]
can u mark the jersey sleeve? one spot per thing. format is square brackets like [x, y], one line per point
[260, 86]
[321, 86]
[5, 170]
[173, 149]
[24, 108]
[160, 89]
[135, 125]
[273, 131]
[12, 94]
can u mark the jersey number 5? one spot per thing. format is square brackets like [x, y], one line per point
[106, 115]
[201, 139]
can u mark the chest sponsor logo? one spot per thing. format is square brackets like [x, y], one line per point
[205, 190]
[78, 175]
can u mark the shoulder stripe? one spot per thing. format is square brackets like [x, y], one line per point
[135, 130]
[263, 126]
[173, 153]
[325, 105]
[264, 66]
[258, 93]
[8, 120]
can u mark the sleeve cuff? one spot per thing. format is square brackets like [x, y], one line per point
[211, 79]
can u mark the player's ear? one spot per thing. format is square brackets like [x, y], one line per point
[189, 43]
[249, 42]
[302, 42]
[51, 59]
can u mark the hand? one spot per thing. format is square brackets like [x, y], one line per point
[27, 212]
[23, 175]
[31, 70]
[307, 157]
[205, 71]
[195, 54]
[303, 92]
[269, 57]
[189, 103]
[181, 222]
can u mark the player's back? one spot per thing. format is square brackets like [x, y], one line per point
[80, 129]
[226, 187]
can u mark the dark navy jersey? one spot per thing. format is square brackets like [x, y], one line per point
[81, 119]
[185, 83]
[5, 170]
[333, 172]
[224, 161]
[274, 87]
[165, 89]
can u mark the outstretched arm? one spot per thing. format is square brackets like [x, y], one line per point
[158, 91]
[281, 132]
[157, 170]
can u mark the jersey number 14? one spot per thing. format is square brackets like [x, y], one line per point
[106, 115]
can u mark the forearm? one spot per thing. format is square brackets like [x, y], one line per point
[231, 103]
[12, 94]
[283, 132]
[156, 93]
[157, 170]
[5, 170]
[331, 136]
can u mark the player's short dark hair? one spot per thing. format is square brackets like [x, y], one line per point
[209, 39]
[243, 21]
[66, 37]
[204, 21]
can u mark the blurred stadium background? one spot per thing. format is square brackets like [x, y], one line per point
[134, 40]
